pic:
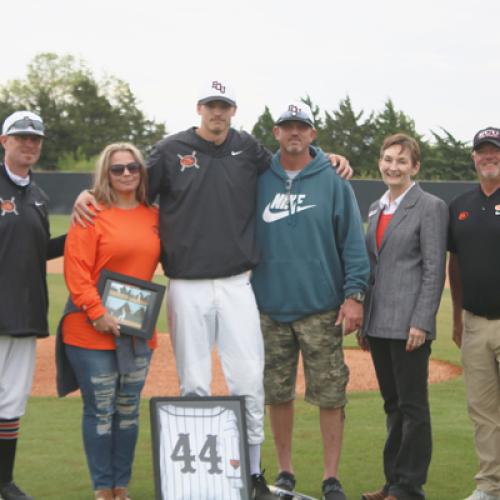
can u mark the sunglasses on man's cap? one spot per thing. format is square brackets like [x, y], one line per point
[25, 126]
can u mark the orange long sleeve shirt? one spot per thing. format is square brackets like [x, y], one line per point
[121, 240]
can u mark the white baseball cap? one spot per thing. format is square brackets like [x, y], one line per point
[297, 112]
[23, 123]
[216, 90]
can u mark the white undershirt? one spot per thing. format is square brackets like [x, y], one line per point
[389, 207]
[17, 179]
[292, 173]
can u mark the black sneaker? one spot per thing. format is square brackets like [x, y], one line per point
[10, 491]
[285, 480]
[260, 491]
[332, 490]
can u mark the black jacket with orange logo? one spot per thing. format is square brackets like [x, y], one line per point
[24, 247]
[207, 203]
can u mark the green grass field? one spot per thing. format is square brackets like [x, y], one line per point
[51, 463]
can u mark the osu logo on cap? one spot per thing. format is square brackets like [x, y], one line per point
[8, 207]
[218, 86]
[188, 161]
[463, 215]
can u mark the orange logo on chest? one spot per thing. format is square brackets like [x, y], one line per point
[8, 207]
[463, 215]
[188, 161]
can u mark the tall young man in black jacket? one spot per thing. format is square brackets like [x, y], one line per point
[206, 178]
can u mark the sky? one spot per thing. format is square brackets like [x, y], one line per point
[438, 60]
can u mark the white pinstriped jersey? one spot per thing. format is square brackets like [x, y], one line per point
[199, 454]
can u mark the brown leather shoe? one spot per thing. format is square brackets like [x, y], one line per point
[390, 497]
[375, 495]
[104, 494]
[120, 494]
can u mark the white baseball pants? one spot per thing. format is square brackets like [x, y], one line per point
[17, 365]
[222, 312]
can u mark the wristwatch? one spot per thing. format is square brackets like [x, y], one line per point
[358, 297]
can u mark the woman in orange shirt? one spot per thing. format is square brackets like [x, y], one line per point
[123, 239]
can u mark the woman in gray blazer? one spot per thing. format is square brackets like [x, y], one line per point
[406, 242]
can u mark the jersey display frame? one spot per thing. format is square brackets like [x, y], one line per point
[200, 448]
[135, 303]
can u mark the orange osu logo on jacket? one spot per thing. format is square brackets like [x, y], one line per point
[463, 215]
[8, 207]
[188, 161]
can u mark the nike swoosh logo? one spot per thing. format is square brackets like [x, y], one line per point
[268, 216]
[39, 203]
[305, 207]
[236, 153]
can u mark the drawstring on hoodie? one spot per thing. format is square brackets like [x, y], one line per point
[291, 221]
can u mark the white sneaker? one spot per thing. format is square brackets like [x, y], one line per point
[482, 495]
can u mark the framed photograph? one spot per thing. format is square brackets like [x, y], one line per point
[133, 302]
[200, 448]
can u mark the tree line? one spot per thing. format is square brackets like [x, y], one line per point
[358, 137]
[82, 115]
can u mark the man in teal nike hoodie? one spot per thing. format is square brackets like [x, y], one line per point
[311, 278]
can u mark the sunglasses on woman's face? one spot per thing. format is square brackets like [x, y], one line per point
[118, 169]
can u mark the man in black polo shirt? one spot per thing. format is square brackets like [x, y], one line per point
[474, 271]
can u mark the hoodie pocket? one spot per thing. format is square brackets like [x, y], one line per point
[293, 287]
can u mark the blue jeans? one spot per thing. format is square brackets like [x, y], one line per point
[111, 404]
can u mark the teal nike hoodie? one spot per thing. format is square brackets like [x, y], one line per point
[310, 235]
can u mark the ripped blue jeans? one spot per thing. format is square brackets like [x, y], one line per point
[111, 404]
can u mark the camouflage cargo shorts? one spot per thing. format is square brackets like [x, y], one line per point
[321, 345]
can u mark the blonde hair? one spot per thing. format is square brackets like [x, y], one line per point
[102, 189]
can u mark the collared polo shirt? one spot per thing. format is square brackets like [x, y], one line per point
[474, 236]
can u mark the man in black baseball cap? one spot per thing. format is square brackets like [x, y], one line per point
[490, 135]
[474, 272]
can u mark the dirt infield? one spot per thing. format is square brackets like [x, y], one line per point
[162, 378]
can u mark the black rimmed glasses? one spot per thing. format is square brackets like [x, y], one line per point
[119, 169]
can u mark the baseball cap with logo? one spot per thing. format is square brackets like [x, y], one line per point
[23, 123]
[297, 112]
[216, 90]
[490, 134]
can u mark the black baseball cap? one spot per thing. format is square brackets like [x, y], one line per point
[489, 134]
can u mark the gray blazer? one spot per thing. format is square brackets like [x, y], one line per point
[407, 274]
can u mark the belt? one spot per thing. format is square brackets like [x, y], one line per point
[489, 317]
